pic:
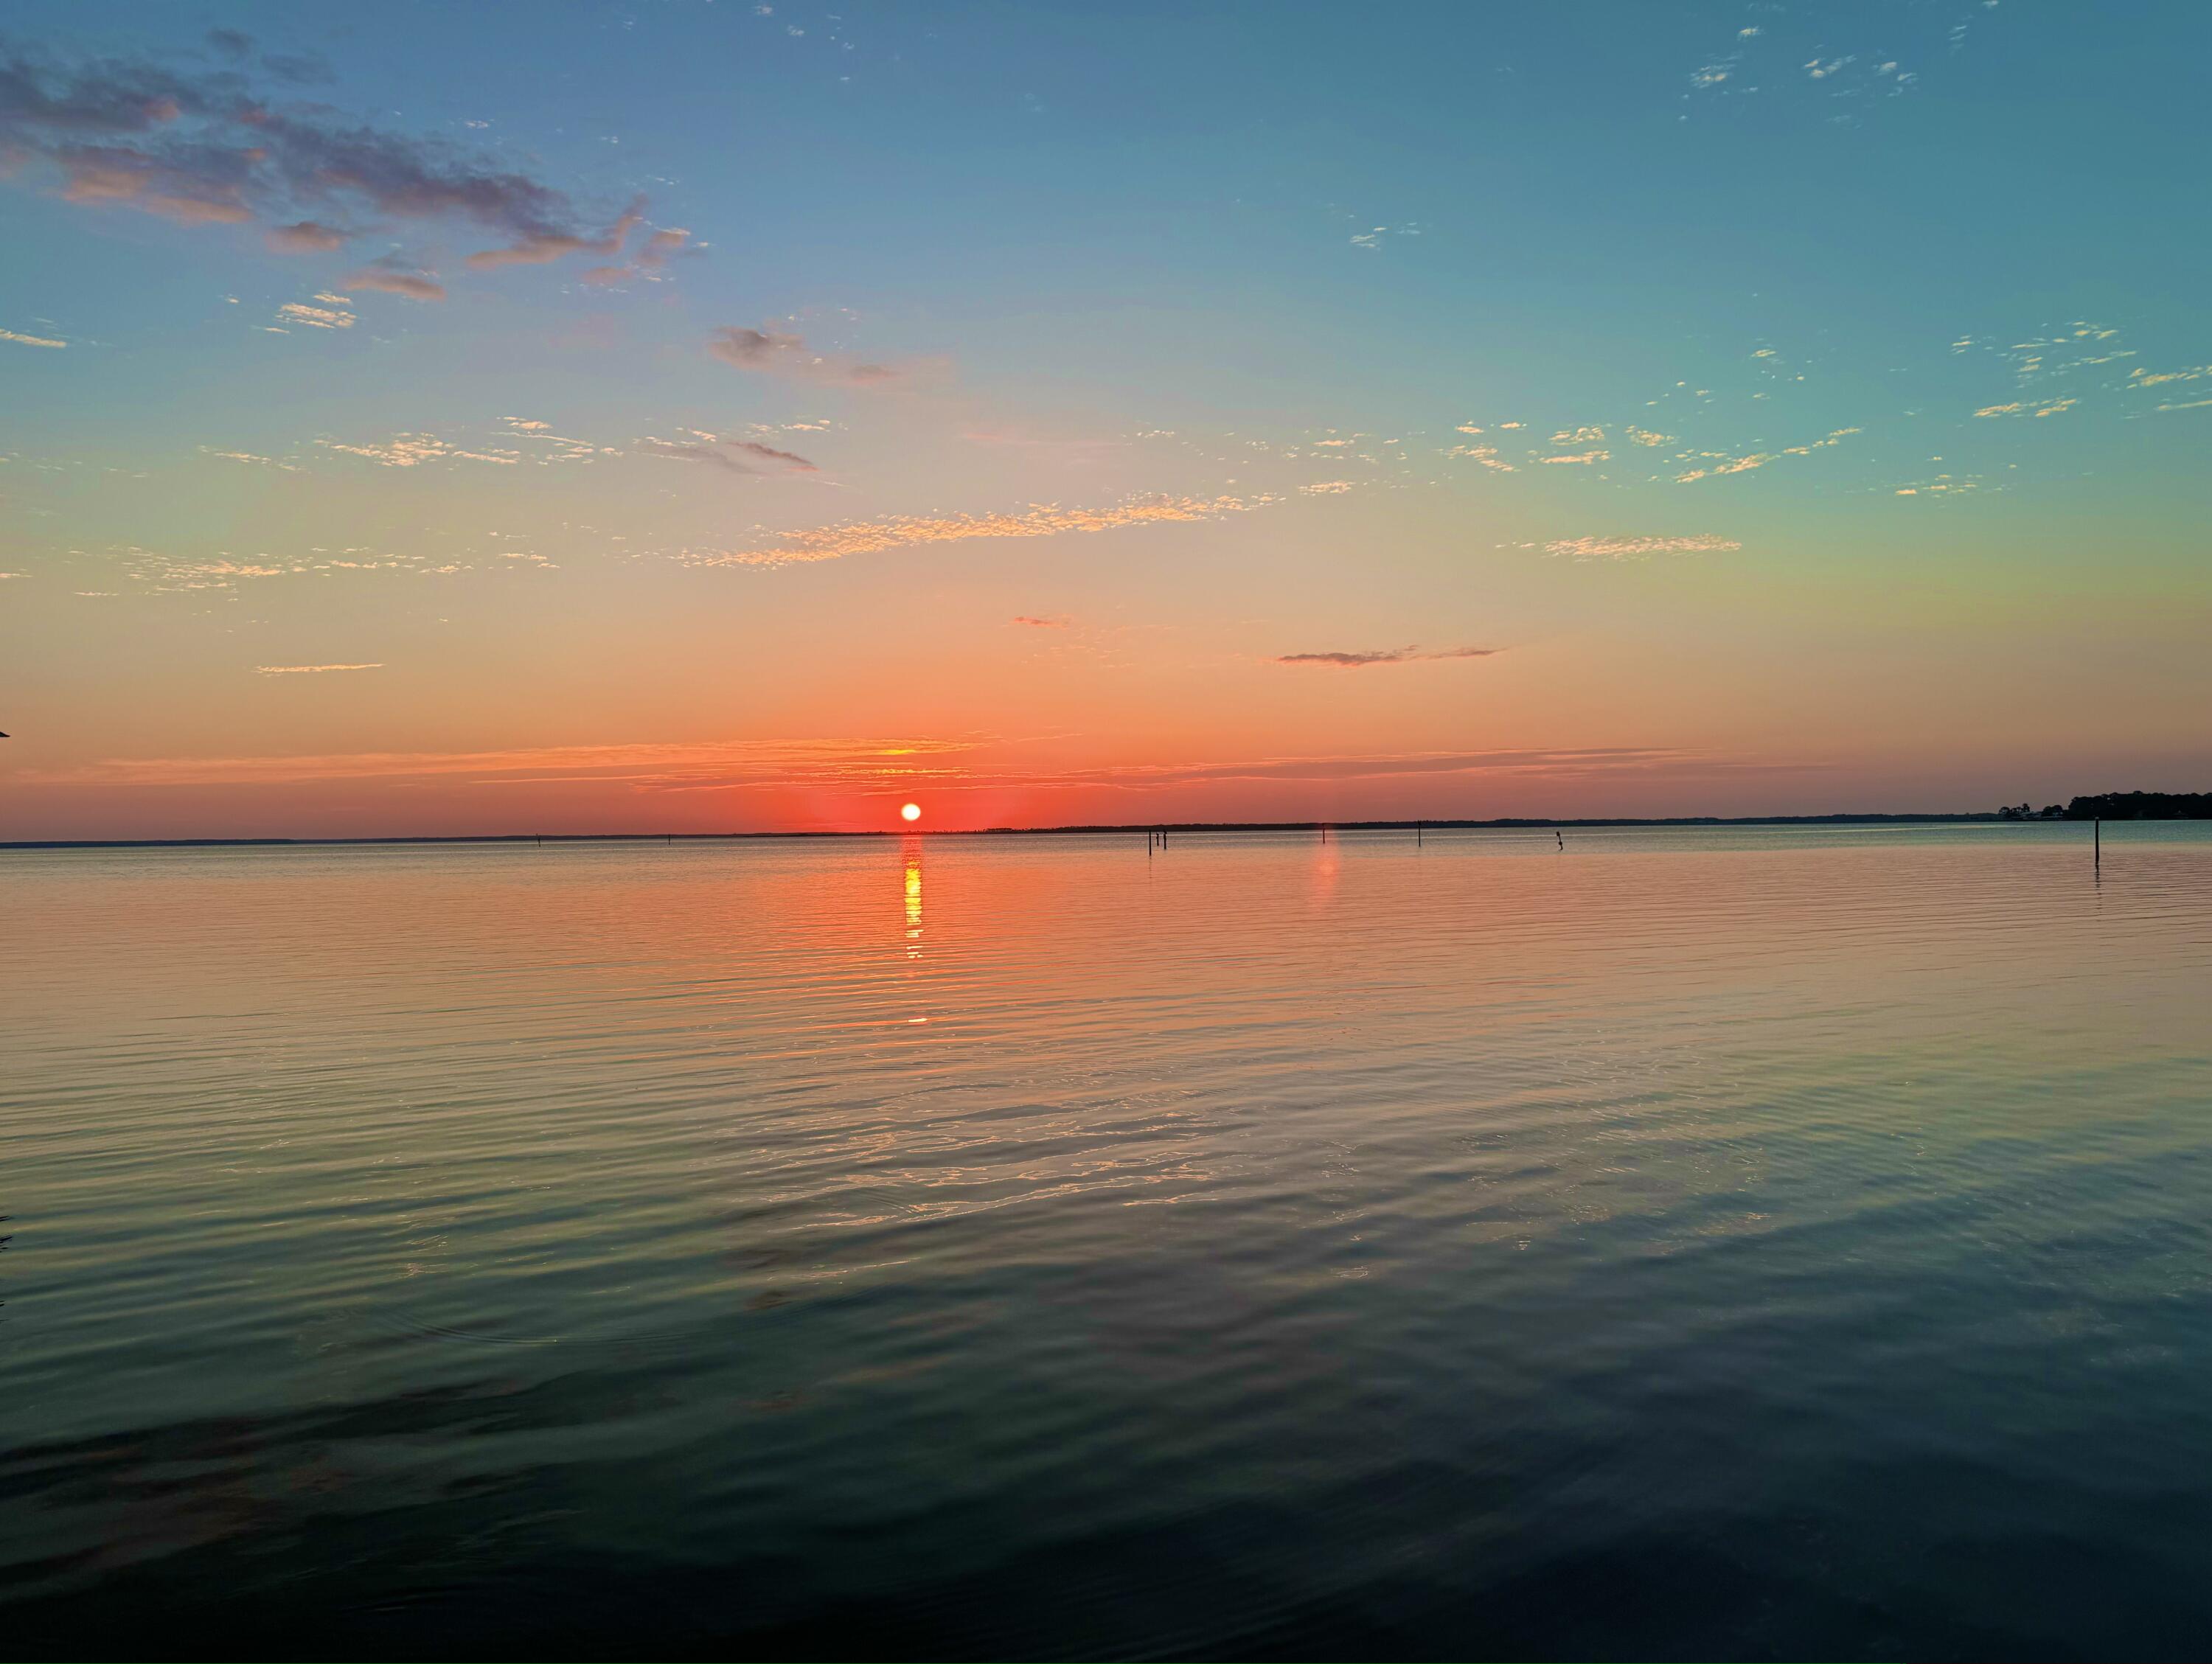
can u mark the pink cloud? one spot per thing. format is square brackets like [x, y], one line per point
[202, 147]
[769, 353]
[414, 285]
[541, 248]
[102, 175]
[307, 237]
[662, 247]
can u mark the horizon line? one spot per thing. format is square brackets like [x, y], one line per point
[1085, 830]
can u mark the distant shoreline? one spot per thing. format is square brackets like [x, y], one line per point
[1128, 830]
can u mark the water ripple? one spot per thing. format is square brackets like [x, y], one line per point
[1697, 1244]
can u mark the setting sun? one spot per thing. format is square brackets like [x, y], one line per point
[911, 811]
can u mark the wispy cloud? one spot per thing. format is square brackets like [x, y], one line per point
[2070, 356]
[180, 571]
[831, 543]
[662, 247]
[1372, 237]
[867, 766]
[1943, 485]
[337, 314]
[1561, 763]
[560, 447]
[1409, 655]
[205, 189]
[412, 450]
[653, 257]
[1486, 454]
[249, 456]
[2136, 378]
[542, 247]
[1753, 59]
[309, 670]
[501, 448]
[30, 340]
[766, 352]
[706, 762]
[392, 279]
[307, 237]
[2081, 344]
[1835, 437]
[1632, 548]
[1055, 622]
[2052, 407]
[1731, 465]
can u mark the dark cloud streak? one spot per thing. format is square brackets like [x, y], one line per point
[736, 455]
[202, 147]
[1382, 656]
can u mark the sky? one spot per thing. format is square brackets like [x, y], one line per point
[703, 417]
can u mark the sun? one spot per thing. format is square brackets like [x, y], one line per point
[911, 811]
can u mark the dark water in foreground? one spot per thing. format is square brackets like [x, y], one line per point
[1701, 1244]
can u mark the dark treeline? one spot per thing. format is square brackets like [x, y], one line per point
[2120, 806]
[2142, 806]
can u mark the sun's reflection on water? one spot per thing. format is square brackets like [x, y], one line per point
[910, 853]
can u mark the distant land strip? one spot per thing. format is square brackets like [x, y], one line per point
[1128, 829]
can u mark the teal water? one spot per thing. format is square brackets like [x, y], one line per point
[1766, 1243]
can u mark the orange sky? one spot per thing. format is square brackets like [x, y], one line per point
[768, 455]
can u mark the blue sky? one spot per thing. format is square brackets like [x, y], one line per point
[1798, 405]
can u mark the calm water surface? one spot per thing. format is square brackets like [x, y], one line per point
[1694, 1244]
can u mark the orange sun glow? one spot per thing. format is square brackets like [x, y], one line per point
[911, 811]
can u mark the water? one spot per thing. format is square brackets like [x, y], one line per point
[1699, 1244]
